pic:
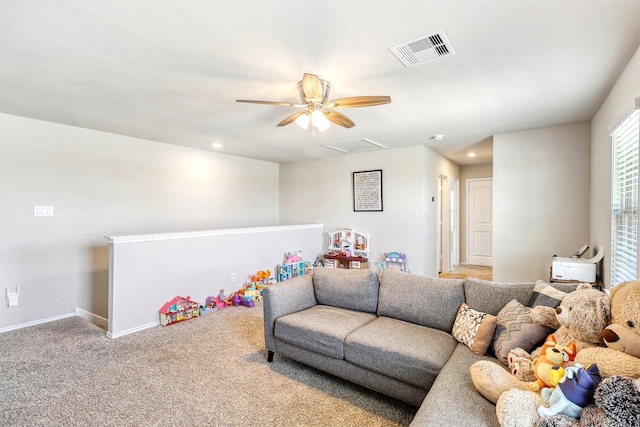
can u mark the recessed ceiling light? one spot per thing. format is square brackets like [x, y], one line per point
[217, 145]
[471, 154]
[437, 137]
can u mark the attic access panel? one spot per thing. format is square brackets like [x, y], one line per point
[358, 146]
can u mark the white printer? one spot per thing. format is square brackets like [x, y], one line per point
[576, 269]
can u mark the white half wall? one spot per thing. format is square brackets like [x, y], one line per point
[541, 199]
[105, 184]
[147, 271]
[616, 107]
[320, 191]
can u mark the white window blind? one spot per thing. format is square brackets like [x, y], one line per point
[624, 203]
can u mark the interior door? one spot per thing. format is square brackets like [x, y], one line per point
[480, 221]
[454, 238]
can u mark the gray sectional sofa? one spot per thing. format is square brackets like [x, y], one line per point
[391, 333]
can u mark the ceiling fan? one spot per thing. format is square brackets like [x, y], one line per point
[318, 110]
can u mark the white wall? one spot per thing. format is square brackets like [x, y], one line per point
[320, 191]
[618, 104]
[541, 199]
[104, 184]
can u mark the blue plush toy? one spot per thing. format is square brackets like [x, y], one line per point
[573, 393]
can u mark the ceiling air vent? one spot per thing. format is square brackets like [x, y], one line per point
[423, 49]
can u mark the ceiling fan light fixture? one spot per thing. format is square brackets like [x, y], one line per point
[319, 120]
[303, 120]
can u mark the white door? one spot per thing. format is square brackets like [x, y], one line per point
[454, 238]
[480, 221]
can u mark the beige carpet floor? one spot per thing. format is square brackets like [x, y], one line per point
[464, 271]
[209, 371]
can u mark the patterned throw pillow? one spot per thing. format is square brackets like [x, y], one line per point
[516, 329]
[474, 329]
[545, 294]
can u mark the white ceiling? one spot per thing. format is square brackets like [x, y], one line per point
[171, 70]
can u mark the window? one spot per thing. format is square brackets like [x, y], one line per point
[624, 200]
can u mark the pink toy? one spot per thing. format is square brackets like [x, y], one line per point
[290, 258]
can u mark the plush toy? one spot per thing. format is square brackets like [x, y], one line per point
[580, 317]
[519, 360]
[589, 313]
[292, 257]
[625, 300]
[549, 365]
[574, 391]
[622, 336]
[617, 404]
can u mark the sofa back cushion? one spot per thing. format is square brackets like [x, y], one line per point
[490, 297]
[418, 299]
[352, 289]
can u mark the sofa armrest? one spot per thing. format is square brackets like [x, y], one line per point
[285, 298]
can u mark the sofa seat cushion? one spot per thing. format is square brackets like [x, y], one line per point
[453, 400]
[321, 328]
[404, 351]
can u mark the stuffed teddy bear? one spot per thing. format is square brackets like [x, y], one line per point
[625, 317]
[582, 315]
[622, 336]
[574, 391]
[580, 319]
[617, 404]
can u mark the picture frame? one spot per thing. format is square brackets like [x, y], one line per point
[367, 191]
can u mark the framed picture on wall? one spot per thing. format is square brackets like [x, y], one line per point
[367, 191]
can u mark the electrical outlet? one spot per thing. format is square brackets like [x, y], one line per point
[233, 277]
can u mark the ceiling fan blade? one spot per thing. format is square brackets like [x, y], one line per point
[292, 118]
[287, 104]
[338, 118]
[359, 101]
[312, 87]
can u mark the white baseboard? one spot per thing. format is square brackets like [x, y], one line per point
[99, 321]
[36, 322]
[132, 330]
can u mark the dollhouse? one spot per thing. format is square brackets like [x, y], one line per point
[177, 310]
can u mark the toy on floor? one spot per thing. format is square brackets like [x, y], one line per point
[221, 300]
[178, 310]
[290, 258]
[396, 260]
[288, 270]
[209, 306]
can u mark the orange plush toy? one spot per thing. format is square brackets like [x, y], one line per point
[549, 366]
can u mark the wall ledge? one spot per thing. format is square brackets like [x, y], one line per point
[206, 233]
